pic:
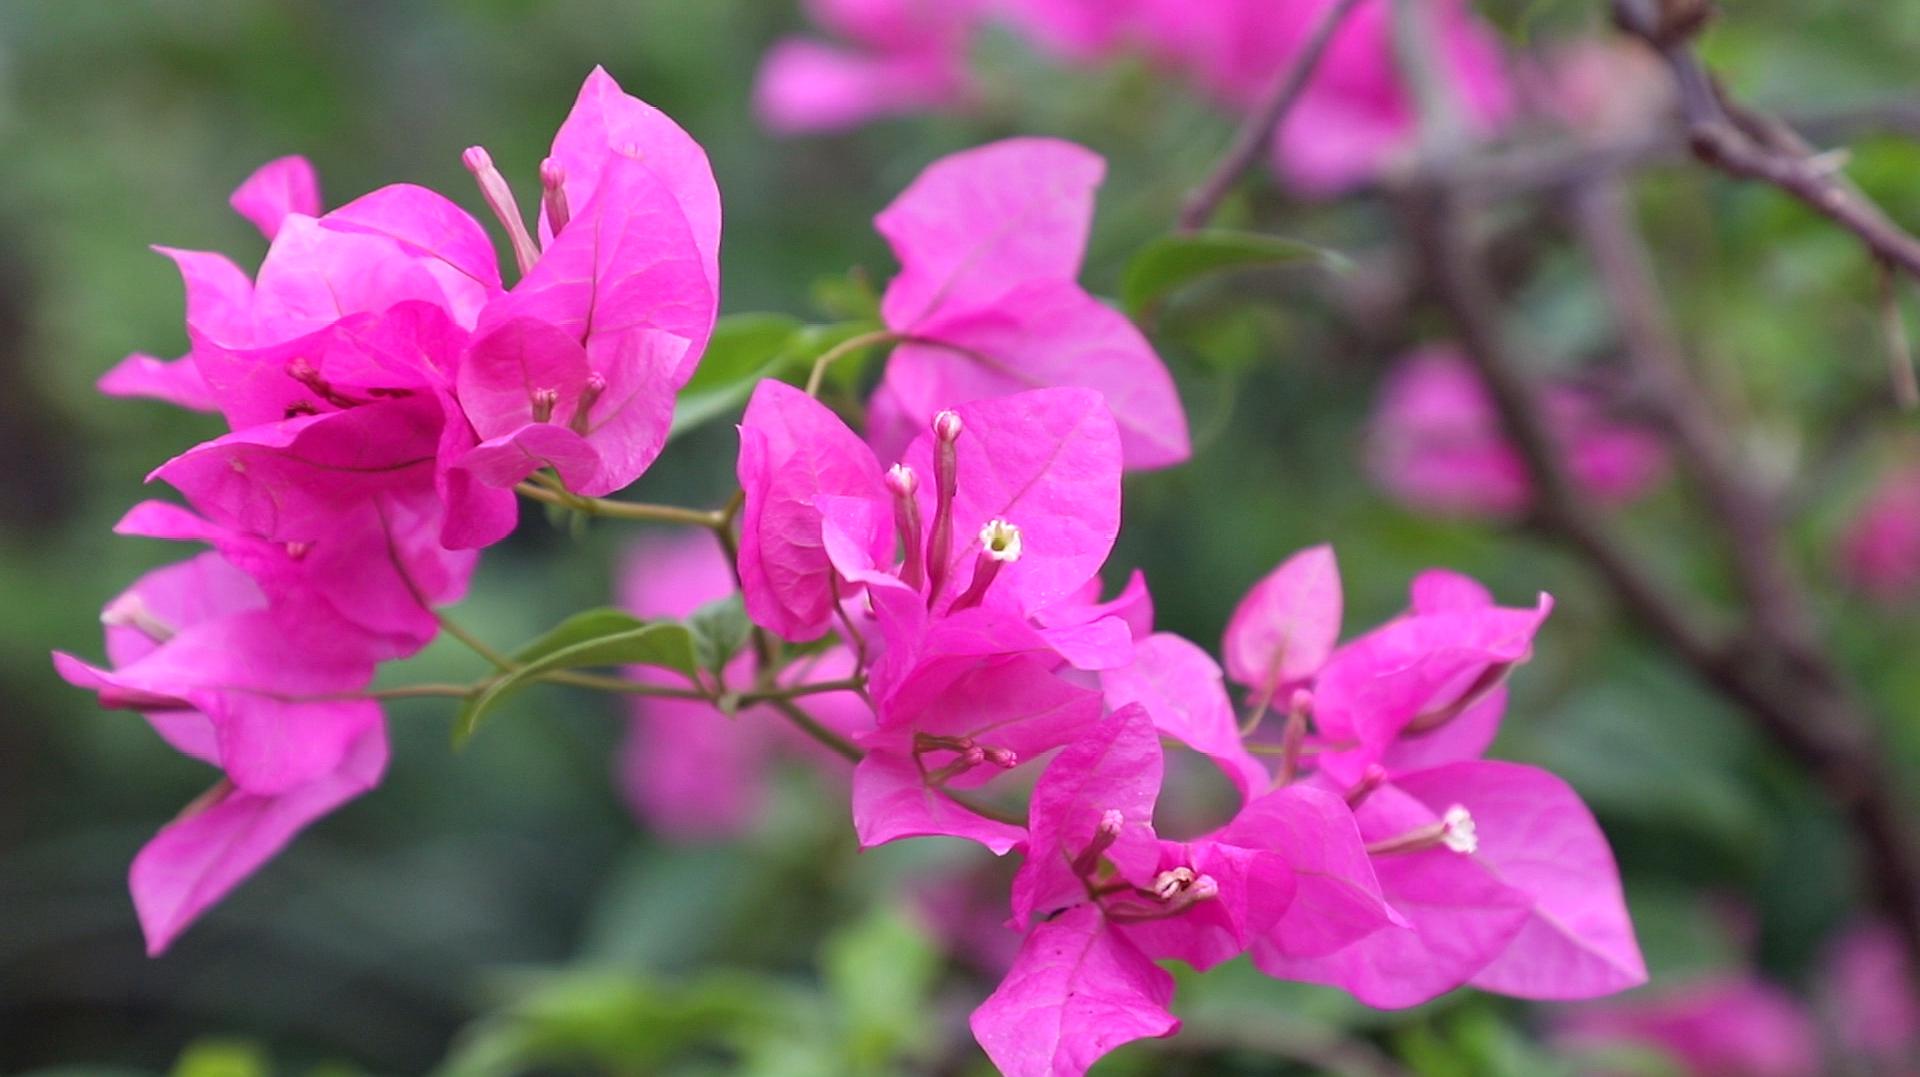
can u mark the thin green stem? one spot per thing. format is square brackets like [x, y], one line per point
[621, 510]
[474, 643]
[422, 691]
[798, 691]
[811, 726]
[841, 351]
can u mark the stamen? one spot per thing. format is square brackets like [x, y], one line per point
[298, 550]
[1490, 678]
[1454, 830]
[1370, 779]
[946, 431]
[1460, 835]
[544, 401]
[1004, 758]
[128, 611]
[999, 545]
[1171, 882]
[302, 371]
[553, 196]
[589, 395]
[499, 198]
[1087, 864]
[1294, 735]
[904, 484]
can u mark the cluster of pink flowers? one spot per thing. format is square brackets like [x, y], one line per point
[1355, 118]
[384, 394]
[387, 393]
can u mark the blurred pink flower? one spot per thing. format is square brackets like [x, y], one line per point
[1719, 1026]
[1871, 1001]
[1436, 443]
[900, 56]
[1880, 550]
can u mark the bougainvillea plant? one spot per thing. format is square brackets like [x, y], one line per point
[921, 596]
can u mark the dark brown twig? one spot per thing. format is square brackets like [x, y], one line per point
[1747, 145]
[1258, 131]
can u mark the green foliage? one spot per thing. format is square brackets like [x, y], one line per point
[719, 630]
[602, 637]
[745, 348]
[1178, 259]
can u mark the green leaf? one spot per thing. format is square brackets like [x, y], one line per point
[222, 1058]
[1176, 260]
[719, 629]
[600, 637]
[744, 349]
[880, 972]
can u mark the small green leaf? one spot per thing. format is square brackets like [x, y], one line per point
[744, 349]
[222, 1058]
[719, 629]
[601, 637]
[1175, 260]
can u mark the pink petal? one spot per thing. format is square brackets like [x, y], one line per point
[448, 242]
[178, 382]
[807, 87]
[981, 222]
[1285, 628]
[605, 123]
[1337, 900]
[1075, 993]
[792, 450]
[1255, 888]
[1537, 836]
[1117, 766]
[1181, 688]
[626, 261]
[199, 858]
[1437, 591]
[281, 186]
[1047, 461]
[1044, 333]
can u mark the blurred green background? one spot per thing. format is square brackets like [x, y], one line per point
[430, 923]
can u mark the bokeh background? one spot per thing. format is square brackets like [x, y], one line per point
[499, 909]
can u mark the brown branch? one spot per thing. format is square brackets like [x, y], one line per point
[1770, 670]
[1257, 132]
[1747, 145]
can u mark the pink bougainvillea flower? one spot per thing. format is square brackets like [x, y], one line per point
[1436, 443]
[1075, 992]
[1003, 513]
[276, 686]
[1414, 679]
[1724, 1024]
[226, 836]
[990, 242]
[1879, 553]
[1285, 628]
[1289, 871]
[998, 715]
[264, 694]
[1457, 850]
[901, 56]
[688, 771]
[381, 570]
[1181, 689]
